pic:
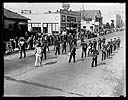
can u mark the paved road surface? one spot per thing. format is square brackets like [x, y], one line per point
[58, 78]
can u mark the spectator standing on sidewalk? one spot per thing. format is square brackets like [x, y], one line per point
[38, 54]
[16, 39]
[31, 42]
[114, 44]
[12, 45]
[118, 42]
[9, 47]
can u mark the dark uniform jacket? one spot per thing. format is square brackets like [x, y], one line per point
[108, 46]
[22, 45]
[103, 48]
[99, 41]
[95, 53]
[84, 46]
[90, 44]
[44, 49]
[57, 45]
[73, 51]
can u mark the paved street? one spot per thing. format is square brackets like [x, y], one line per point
[57, 77]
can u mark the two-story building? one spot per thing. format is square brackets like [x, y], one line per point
[91, 20]
[53, 22]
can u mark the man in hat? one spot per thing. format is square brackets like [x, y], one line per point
[103, 52]
[103, 40]
[94, 57]
[90, 47]
[108, 49]
[114, 44]
[57, 48]
[99, 43]
[44, 46]
[64, 46]
[84, 48]
[95, 43]
[118, 42]
[111, 46]
[72, 54]
[22, 46]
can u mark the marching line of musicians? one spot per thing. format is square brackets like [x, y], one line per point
[93, 48]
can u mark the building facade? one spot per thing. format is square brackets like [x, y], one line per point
[54, 22]
[14, 25]
[91, 20]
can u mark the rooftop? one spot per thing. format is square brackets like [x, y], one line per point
[91, 13]
[10, 14]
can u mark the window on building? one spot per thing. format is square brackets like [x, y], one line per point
[96, 19]
[87, 22]
[87, 19]
[68, 18]
[71, 19]
[63, 18]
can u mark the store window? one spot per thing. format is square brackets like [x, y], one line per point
[71, 19]
[87, 22]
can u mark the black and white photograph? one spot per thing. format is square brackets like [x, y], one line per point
[68, 49]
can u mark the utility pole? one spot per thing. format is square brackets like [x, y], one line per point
[83, 6]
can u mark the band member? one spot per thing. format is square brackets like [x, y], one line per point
[94, 57]
[103, 52]
[84, 49]
[90, 47]
[99, 43]
[111, 46]
[114, 44]
[44, 46]
[95, 43]
[22, 46]
[57, 48]
[108, 49]
[38, 54]
[103, 40]
[64, 46]
[72, 54]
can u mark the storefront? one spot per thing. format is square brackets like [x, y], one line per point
[14, 25]
[54, 22]
[70, 20]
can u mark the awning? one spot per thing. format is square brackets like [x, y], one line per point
[22, 23]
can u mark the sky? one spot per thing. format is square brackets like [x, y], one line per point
[107, 9]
